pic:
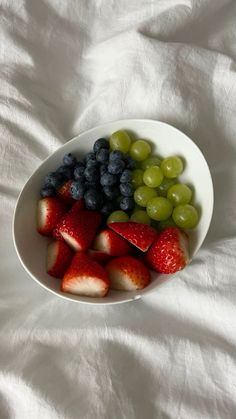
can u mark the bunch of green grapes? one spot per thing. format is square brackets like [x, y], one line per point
[159, 196]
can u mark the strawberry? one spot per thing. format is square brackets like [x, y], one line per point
[59, 256]
[98, 256]
[85, 277]
[169, 253]
[78, 228]
[111, 243]
[128, 274]
[64, 193]
[140, 235]
[49, 212]
[78, 205]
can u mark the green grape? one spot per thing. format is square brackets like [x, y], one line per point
[140, 150]
[140, 216]
[166, 223]
[185, 216]
[165, 185]
[143, 194]
[117, 216]
[137, 178]
[179, 194]
[120, 140]
[153, 176]
[150, 161]
[159, 208]
[172, 166]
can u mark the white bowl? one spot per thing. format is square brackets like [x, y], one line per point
[166, 140]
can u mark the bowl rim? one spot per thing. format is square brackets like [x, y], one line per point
[145, 291]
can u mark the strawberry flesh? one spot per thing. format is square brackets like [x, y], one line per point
[98, 256]
[169, 253]
[49, 212]
[128, 273]
[78, 228]
[64, 194]
[59, 256]
[85, 277]
[140, 235]
[112, 243]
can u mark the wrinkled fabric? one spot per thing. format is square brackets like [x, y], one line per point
[67, 66]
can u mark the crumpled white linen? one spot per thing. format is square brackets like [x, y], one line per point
[66, 66]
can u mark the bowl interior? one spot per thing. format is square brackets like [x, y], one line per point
[166, 140]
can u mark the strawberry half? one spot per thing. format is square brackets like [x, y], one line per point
[85, 277]
[78, 228]
[98, 256]
[59, 256]
[140, 235]
[169, 253]
[49, 212]
[111, 243]
[64, 193]
[78, 205]
[128, 274]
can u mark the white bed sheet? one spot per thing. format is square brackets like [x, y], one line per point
[66, 66]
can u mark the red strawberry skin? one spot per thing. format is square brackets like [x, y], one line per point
[98, 256]
[49, 212]
[77, 206]
[64, 194]
[85, 277]
[169, 253]
[59, 256]
[128, 273]
[111, 243]
[140, 235]
[78, 228]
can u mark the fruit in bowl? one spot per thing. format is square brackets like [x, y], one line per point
[117, 214]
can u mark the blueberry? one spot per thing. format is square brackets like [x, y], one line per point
[91, 163]
[116, 154]
[111, 192]
[91, 185]
[69, 160]
[79, 171]
[91, 174]
[102, 155]
[107, 179]
[126, 176]
[107, 208]
[90, 156]
[93, 199]
[103, 169]
[126, 203]
[77, 190]
[54, 179]
[66, 172]
[47, 191]
[130, 163]
[126, 189]
[116, 166]
[100, 143]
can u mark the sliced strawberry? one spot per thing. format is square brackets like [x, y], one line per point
[128, 273]
[59, 256]
[78, 228]
[140, 235]
[78, 205]
[111, 243]
[98, 256]
[64, 193]
[49, 212]
[169, 253]
[85, 277]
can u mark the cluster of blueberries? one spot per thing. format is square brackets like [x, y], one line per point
[102, 178]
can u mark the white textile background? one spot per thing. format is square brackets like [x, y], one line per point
[66, 66]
